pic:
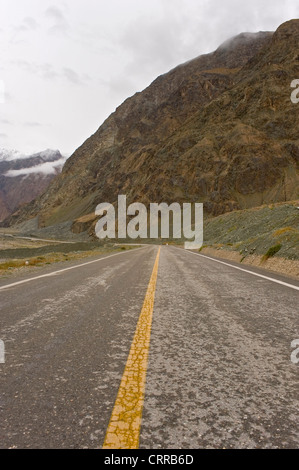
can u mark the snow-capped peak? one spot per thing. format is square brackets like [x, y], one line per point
[10, 154]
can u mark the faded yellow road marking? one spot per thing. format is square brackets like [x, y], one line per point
[124, 427]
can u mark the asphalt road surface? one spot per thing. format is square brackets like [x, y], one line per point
[219, 372]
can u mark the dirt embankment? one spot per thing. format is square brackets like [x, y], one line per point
[276, 264]
[266, 236]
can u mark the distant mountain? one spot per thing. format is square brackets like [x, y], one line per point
[23, 178]
[220, 129]
[11, 154]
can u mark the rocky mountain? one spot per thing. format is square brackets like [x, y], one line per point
[220, 129]
[23, 178]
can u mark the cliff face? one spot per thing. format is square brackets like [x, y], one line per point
[23, 179]
[220, 129]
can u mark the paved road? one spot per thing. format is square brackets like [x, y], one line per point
[219, 370]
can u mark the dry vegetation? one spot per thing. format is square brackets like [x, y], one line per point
[16, 265]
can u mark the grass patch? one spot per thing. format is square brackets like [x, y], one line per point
[19, 263]
[272, 251]
[283, 231]
[203, 246]
[8, 266]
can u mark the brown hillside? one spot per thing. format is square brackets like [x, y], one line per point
[220, 129]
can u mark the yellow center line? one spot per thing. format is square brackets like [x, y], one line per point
[125, 422]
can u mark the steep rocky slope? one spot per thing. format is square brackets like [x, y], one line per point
[22, 178]
[220, 129]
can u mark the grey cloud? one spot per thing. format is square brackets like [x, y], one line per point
[59, 22]
[2, 92]
[159, 45]
[73, 77]
[8, 97]
[178, 34]
[32, 124]
[151, 43]
[55, 13]
[120, 87]
[44, 70]
[47, 71]
[28, 24]
[24, 65]
[5, 122]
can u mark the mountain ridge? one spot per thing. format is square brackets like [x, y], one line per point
[24, 177]
[219, 129]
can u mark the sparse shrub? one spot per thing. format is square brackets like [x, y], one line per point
[272, 251]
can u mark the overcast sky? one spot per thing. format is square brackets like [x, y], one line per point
[66, 65]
